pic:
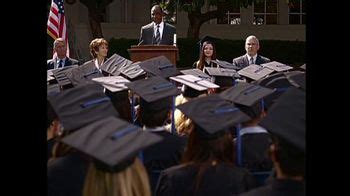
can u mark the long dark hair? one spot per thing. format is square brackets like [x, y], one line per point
[200, 64]
[202, 152]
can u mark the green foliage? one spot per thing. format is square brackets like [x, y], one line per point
[288, 52]
[121, 46]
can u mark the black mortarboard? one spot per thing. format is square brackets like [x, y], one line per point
[222, 77]
[156, 92]
[297, 79]
[207, 38]
[53, 89]
[159, 66]
[277, 66]
[61, 76]
[111, 142]
[303, 67]
[193, 85]
[50, 77]
[196, 72]
[245, 93]
[82, 105]
[225, 64]
[213, 114]
[246, 96]
[83, 74]
[133, 72]
[114, 64]
[286, 118]
[255, 72]
[280, 83]
[112, 83]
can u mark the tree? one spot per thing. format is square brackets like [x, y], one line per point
[194, 10]
[95, 12]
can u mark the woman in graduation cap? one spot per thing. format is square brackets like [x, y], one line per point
[208, 53]
[208, 165]
[116, 168]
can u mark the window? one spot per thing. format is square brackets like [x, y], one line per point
[265, 12]
[297, 12]
[171, 16]
[232, 14]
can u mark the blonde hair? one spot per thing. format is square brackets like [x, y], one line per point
[132, 181]
[183, 124]
[95, 44]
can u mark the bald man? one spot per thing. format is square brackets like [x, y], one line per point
[251, 57]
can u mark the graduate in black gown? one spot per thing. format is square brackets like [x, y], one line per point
[208, 166]
[286, 122]
[75, 108]
[255, 140]
[155, 107]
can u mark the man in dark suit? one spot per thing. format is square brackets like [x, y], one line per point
[157, 32]
[251, 57]
[61, 60]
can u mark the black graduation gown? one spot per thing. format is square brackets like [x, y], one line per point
[50, 143]
[211, 64]
[66, 175]
[279, 188]
[222, 179]
[163, 155]
[255, 148]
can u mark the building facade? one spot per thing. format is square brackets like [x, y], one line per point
[268, 20]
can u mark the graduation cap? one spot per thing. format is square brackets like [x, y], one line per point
[277, 66]
[303, 67]
[50, 77]
[83, 74]
[225, 64]
[111, 142]
[297, 79]
[53, 89]
[155, 92]
[246, 96]
[213, 115]
[206, 39]
[61, 76]
[82, 105]
[280, 82]
[196, 72]
[193, 85]
[112, 83]
[255, 72]
[222, 77]
[159, 66]
[245, 93]
[114, 64]
[286, 118]
[133, 71]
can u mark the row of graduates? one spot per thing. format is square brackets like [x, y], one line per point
[97, 151]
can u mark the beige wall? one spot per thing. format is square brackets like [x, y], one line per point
[125, 18]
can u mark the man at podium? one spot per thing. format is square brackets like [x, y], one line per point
[157, 32]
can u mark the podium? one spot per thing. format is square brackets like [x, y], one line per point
[144, 52]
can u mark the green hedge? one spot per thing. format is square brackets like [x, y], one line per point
[288, 52]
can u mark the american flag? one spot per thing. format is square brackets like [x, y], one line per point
[56, 23]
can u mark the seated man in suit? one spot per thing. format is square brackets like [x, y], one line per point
[157, 32]
[251, 57]
[61, 60]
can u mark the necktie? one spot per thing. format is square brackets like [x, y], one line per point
[157, 38]
[60, 63]
[251, 61]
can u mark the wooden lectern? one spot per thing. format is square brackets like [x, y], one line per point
[143, 52]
